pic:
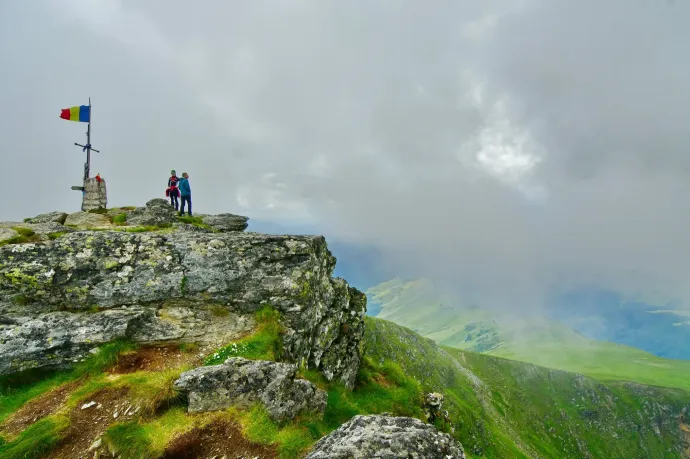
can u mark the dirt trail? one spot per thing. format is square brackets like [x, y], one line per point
[90, 419]
[155, 358]
[37, 409]
[218, 439]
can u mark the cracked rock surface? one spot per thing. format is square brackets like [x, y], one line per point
[156, 212]
[386, 437]
[241, 382]
[51, 217]
[93, 281]
[87, 220]
[225, 222]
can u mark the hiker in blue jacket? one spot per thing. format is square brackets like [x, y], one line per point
[185, 193]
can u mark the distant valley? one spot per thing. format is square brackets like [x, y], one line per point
[534, 339]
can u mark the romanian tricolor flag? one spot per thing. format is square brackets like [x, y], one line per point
[81, 113]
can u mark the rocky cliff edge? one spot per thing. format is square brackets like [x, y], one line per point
[69, 283]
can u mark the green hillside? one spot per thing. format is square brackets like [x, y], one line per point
[419, 306]
[497, 408]
[507, 409]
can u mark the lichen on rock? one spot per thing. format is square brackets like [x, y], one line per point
[225, 222]
[51, 217]
[241, 382]
[158, 212]
[174, 277]
[87, 220]
[386, 437]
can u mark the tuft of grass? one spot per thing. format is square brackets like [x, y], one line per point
[129, 439]
[147, 440]
[264, 344]
[293, 441]
[257, 426]
[190, 220]
[24, 235]
[26, 232]
[56, 235]
[106, 357]
[196, 221]
[37, 439]
[120, 219]
[153, 390]
[142, 229]
[183, 285]
[20, 300]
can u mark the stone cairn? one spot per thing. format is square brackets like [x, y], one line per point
[94, 195]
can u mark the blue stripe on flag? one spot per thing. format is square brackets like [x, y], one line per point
[84, 113]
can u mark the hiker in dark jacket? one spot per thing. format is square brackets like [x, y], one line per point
[172, 190]
[185, 193]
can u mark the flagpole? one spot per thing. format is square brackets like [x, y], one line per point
[87, 172]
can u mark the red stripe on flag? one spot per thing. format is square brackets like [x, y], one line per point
[64, 114]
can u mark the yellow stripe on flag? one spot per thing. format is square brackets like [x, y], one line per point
[74, 113]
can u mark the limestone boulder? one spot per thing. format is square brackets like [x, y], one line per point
[87, 220]
[225, 222]
[386, 437]
[58, 339]
[158, 212]
[183, 276]
[241, 382]
[51, 217]
[433, 402]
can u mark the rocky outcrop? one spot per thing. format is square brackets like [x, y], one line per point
[174, 278]
[432, 405]
[36, 232]
[225, 222]
[386, 437]
[58, 339]
[51, 217]
[87, 220]
[158, 212]
[241, 382]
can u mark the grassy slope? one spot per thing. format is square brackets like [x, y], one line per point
[379, 388]
[535, 340]
[500, 408]
[507, 409]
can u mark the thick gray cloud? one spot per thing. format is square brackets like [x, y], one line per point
[503, 146]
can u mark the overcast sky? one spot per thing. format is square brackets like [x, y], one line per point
[505, 146]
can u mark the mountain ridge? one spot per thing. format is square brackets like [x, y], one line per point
[537, 340]
[135, 333]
